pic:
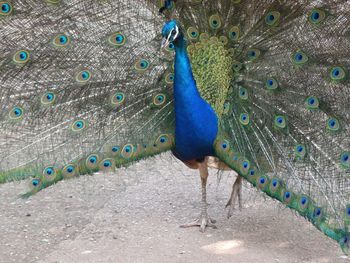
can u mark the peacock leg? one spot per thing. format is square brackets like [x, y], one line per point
[235, 194]
[204, 220]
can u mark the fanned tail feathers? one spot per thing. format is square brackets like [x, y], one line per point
[82, 88]
[285, 121]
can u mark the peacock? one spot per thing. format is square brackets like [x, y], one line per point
[260, 87]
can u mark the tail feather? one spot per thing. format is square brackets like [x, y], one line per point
[76, 79]
[288, 118]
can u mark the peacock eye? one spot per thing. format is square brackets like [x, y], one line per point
[253, 54]
[83, 76]
[317, 212]
[142, 65]
[316, 16]
[244, 119]
[272, 18]
[107, 163]
[79, 125]
[243, 93]
[16, 113]
[128, 149]
[234, 33]
[287, 196]
[271, 84]
[49, 171]
[159, 99]
[35, 182]
[115, 149]
[338, 73]
[300, 151]
[215, 22]
[299, 58]
[345, 160]
[117, 39]
[333, 124]
[21, 57]
[118, 98]
[192, 33]
[280, 122]
[48, 98]
[61, 40]
[312, 103]
[6, 8]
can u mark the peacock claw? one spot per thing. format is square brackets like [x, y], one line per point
[203, 222]
[235, 194]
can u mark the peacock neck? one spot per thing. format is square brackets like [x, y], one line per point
[184, 85]
[195, 121]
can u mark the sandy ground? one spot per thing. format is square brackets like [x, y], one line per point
[134, 215]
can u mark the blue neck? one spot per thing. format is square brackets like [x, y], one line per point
[196, 123]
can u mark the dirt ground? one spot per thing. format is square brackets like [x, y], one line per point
[134, 215]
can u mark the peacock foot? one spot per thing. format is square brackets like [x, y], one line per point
[236, 194]
[203, 222]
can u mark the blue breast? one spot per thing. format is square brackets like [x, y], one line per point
[196, 123]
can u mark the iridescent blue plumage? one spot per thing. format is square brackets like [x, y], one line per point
[196, 123]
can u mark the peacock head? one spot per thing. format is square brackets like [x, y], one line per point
[171, 32]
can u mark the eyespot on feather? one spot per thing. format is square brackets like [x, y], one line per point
[79, 125]
[48, 98]
[338, 73]
[244, 119]
[5, 8]
[117, 99]
[234, 33]
[299, 58]
[16, 113]
[192, 33]
[21, 57]
[35, 184]
[50, 173]
[253, 54]
[333, 124]
[107, 164]
[141, 65]
[243, 93]
[300, 151]
[83, 76]
[127, 151]
[69, 171]
[215, 22]
[92, 161]
[271, 84]
[159, 99]
[316, 16]
[345, 160]
[61, 40]
[272, 18]
[280, 122]
[312, 103]
[117, 39]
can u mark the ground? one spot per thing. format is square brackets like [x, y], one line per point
[133, 215]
